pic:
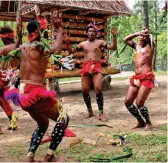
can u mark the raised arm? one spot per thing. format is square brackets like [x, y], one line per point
[4, 50]
[114, 44]
[57, 44]
[128, 39]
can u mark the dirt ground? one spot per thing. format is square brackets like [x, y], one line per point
[14, 145]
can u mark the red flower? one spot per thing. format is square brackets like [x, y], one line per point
[42, 21]
[33, 35]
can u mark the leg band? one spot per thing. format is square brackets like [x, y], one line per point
[100, 101]
[87, 100]
[144, 112]
[134, 111]
[58, 132]
[36, 139]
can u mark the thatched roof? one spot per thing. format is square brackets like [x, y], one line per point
[97, 7]
[105, 7]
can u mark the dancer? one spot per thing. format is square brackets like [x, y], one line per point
[91, 70]
[142, 82]
[7, 37]
[33, 96]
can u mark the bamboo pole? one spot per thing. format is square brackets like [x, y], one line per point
[19, 20]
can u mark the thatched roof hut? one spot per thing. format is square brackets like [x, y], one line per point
[76, 15]
[98, 7]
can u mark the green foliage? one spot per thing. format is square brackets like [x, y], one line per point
[125, 25]
[132, 24]
[163, 127]
[15, 151]
[162, 50]
[151, 140]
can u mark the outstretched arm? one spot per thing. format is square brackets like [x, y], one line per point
[4, 50]
[75, 48]
[57, 44]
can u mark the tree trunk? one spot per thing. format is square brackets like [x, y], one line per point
[156, 28]
[145, 13]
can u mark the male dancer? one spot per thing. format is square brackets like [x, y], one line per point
[143, 80]
[91, 71]
[34, 98]
[7, 36]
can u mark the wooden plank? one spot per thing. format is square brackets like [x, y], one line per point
[80, 32]
[64, 9]
[80, 25]
[74, 39]
[78, 54]
[9, 6]
[84, 12]
[75, 72]
[77, 17]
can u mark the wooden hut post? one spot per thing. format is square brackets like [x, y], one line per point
[19, 19]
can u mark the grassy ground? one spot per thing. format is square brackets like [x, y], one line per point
[147, 146]
[151, 147]
[161, 72]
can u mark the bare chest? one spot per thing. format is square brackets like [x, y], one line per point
[143, 51]
[92, 47]
[31, 51]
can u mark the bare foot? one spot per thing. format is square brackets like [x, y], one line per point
[101, 118]
[148, 127]
[29, 159]
[90, 114]
[52, 158]
[140, 124]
